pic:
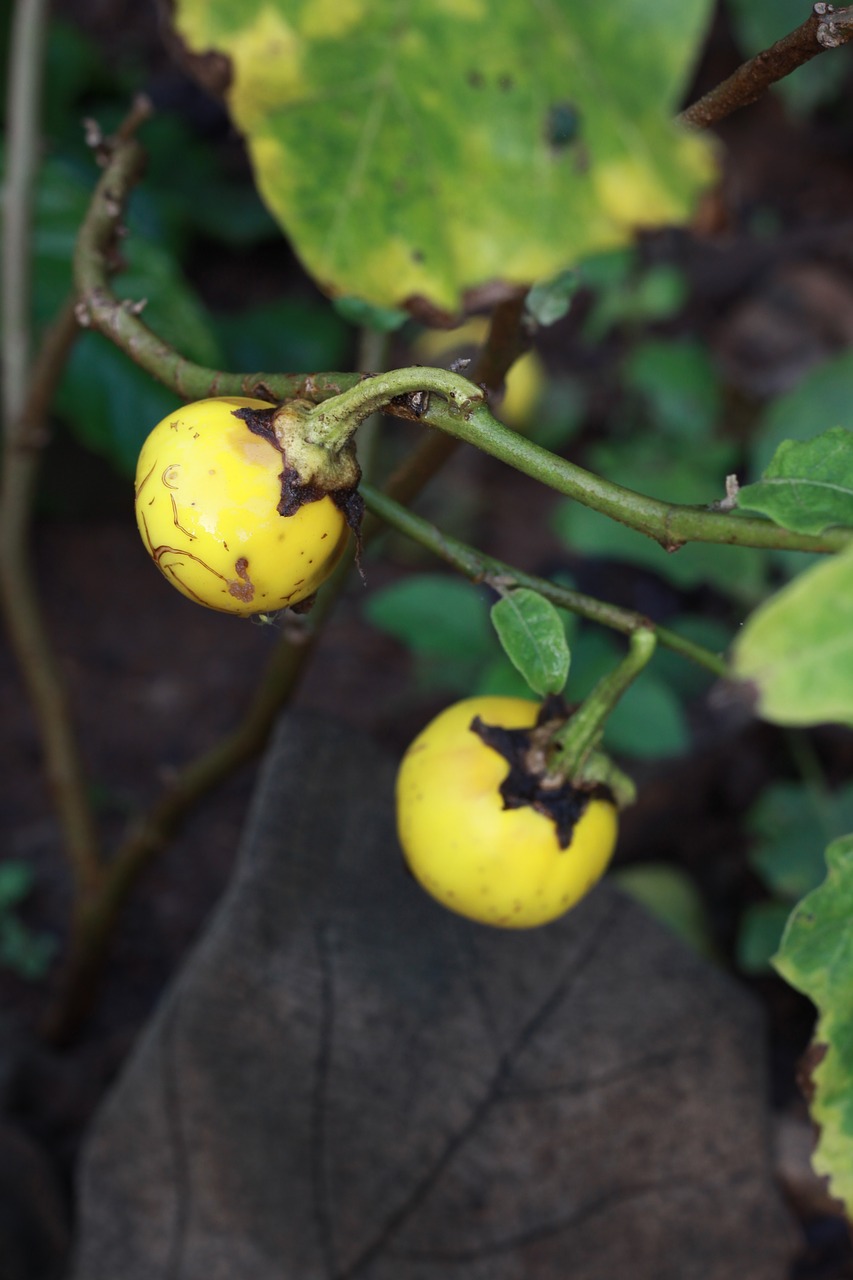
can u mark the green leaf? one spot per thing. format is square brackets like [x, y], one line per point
[444, 623]
[648, 722]
[415, 153]
[534, 639]
[62, 198]
[173, 308]
[434, 615]
[285, 334]
[74, 70]
[823, 399]
[791, 825]
[366, 315]
[760, 931]
[550, 300]
[560, 412]
[807, 487]
[607, 272]
[795, 653]
[109, 402]
[816, 957]
[684, 677]
[671, 897]
[180, 166]
[679, 385]
[26, 953]
[16, 881]
[656, 293]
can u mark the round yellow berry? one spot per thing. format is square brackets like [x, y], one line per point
[207, 493]
[503, 867]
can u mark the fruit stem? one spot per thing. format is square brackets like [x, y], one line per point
[576, 742]
[332, 423]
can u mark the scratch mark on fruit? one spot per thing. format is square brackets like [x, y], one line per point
[145, 533]
[170, 570]
[176, 521]
[145, 479]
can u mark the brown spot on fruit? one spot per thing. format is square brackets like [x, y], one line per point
[244, 588]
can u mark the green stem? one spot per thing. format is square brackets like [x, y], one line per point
[582, 732]
[479, 567]
[94, 263]
[457, 408]
[670, 524]
[23, 108]
[373, 348]
[332, 423]
[462, 413]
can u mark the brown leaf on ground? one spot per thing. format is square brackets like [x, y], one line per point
[347, 1081]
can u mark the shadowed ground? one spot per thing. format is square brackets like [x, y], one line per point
[347, 1081]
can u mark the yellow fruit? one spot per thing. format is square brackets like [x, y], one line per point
[500, 866]
[207, 492]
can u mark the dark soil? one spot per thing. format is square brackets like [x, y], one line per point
[155, 680]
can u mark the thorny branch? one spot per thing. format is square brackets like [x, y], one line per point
[670, 524]
[479, 567]
[826, 28]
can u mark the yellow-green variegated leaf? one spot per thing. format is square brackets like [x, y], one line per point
[795, 652]
[816, 957]
[415, 152]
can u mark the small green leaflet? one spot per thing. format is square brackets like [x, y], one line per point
[816, 957]
[796, 650]
[534, 639]
[550, 300]
[808, 485]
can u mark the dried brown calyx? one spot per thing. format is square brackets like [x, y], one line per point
[531, 780]
[309, 472]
